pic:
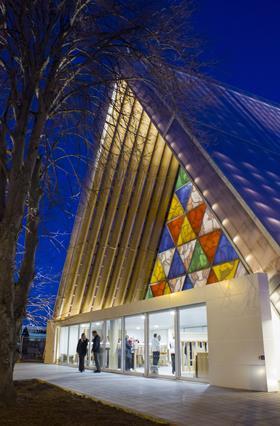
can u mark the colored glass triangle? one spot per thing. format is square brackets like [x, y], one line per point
[149, 294]
[166, 241]
[182, 179]
[167, 289]
[176, 209]
[199, 278]
[184, 193]
[177, 266]
[226, 271]
[158, 272]
[175, 227]
[186, 252]
[166, 259]
[187, 284]
[158, 288]
[199, 259]
[195, 217]
[209, 222]
[240, 270]
[212, 278]
[225, 251]
[176, 284]
[186, 233]
[209, 243]
[194, 200]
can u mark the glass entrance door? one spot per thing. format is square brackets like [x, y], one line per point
[194, 342]
[162, 345]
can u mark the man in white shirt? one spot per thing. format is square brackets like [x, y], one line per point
[155, 352]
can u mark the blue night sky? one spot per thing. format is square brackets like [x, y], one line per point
[241, 45]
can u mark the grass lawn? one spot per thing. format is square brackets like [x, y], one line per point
[44, 404]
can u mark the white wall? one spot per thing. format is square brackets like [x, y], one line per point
[240, 332]
[241, 329]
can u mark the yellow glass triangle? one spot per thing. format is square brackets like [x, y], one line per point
[226, 271]
[158, 272]
[176, 208]
[167, 289]
[187, 233]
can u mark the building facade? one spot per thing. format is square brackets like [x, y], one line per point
[174, 257]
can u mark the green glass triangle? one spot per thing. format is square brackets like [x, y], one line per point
[182, 178]
[149, 293]
[199, 259]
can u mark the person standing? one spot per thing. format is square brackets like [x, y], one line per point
[172, 353]
[128, 354]
[155, 352]
[82, 351]
[96, 351]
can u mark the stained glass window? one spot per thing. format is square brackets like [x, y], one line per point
[193, 250]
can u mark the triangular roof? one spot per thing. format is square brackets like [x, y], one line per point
[238, 132]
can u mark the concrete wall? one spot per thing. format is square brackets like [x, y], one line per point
[241, 331]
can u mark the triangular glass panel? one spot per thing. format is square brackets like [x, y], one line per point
[199, 259]
[212, 278]
[225, 251]
[182, 179]
[158, 288]
[195, 217]
[187, 233]
[167, 289]
[209, 222]
[149, 294]
[184, 193]
[166, 241]
[186, 252]
[240, 271]
[226, 271]
[176, 208]
[194, 200]
[166, 259]
[176, 284]
[187, 284]
[158, 272]
[175, 227]
[199, 278]
[209, 243]
[177, 267]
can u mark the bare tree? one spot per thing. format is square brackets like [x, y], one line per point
[58, 59]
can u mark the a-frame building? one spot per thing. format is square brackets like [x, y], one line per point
[183, 204]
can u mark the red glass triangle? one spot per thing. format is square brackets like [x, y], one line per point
[212, 278]
[210, 242]
[158, 289]
[175, 228]
[195, 217]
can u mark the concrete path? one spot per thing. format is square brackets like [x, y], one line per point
[179, 402]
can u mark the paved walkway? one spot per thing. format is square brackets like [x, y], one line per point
[181, 403]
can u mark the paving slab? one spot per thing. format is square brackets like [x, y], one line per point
[178, 402]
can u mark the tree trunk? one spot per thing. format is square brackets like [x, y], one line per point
[8, 338]
[7, 351]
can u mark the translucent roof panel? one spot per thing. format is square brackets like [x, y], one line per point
[240, 132]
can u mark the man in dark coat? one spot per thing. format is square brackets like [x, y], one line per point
[82, 351]
[96, 350]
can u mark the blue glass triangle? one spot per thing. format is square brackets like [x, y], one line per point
[184, 194]
[177, 266]
[166, 241]
[187, 284]
[225, 252]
